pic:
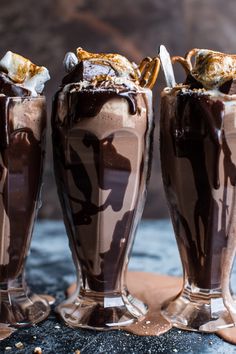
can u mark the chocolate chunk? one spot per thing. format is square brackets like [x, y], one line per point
[228, 87]
[192, 82]
[87, 70]
[9, 88]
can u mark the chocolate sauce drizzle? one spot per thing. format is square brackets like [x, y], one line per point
[104, 153]
[11, 89]
[4, 124]
[112, 170]
[193, 130]
[88, 103]
[22, 156]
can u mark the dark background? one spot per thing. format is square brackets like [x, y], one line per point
[45, 30]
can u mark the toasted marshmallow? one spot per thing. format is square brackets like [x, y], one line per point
[213, 69]
[122, 66]
[24, 73]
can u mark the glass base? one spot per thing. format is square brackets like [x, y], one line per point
[101, 311]
[196, 309]
[19, 307]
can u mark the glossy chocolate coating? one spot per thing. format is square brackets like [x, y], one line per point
[229, 87]
[87, 70]
[10, 89]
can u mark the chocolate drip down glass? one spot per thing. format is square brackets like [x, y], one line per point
[102, 146]
[198, 159]
[22, 150]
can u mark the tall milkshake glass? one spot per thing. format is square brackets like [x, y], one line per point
[198, 159]
[22, 151]
[102, 135]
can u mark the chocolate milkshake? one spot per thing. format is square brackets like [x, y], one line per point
[198, 159]
[102, 125]
[22, 150]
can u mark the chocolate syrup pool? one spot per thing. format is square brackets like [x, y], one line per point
[154, 290]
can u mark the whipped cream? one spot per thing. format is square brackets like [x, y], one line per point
[24, 73]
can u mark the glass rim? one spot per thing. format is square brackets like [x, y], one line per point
[217, 96]
[23, 98]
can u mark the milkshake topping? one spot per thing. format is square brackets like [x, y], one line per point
[20, 77]
[211, 70]
[106, 70]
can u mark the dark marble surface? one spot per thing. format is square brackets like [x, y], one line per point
[50, 270]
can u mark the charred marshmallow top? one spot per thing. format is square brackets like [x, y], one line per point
[213, 69]
[108, 71]
[99, 70]
[213, 73]
[20, 77]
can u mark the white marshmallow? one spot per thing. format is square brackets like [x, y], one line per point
[24, 73]
[70, 61]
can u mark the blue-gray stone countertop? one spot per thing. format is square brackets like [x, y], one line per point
[50, 270]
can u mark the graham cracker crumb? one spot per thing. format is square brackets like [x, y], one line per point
[19, 345]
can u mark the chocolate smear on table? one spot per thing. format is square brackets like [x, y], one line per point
[153, 290]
